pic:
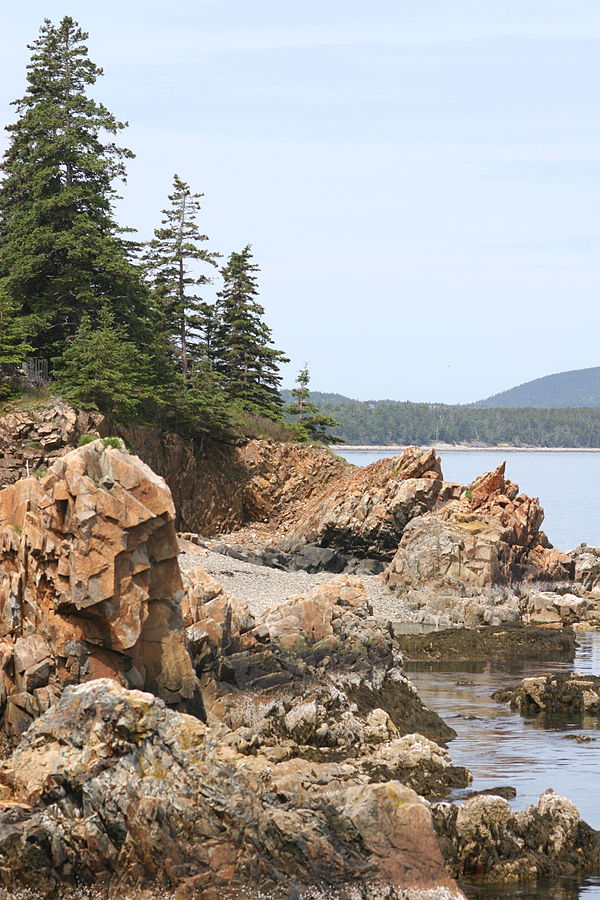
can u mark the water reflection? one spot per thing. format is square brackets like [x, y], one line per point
[556, 889]
[500, 747]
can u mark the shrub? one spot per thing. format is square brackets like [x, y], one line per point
[115, 442]
[86, 439]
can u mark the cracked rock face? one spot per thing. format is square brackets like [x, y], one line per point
[111, 787]
[317, 678]
[365, 513]
[489, 535]
[89, 583]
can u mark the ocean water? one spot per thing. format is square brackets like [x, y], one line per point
[566, 482]
[498, 745]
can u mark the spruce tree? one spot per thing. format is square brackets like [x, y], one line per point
[170, 259]
[243, 350]
[61, 251]
[102, 369]
[314, 423]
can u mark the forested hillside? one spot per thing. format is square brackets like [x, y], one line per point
[392, 422]
[579, 387]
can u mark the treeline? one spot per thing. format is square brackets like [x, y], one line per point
[392, 422]
[124, 327]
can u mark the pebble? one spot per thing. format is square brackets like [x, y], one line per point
[263, 587]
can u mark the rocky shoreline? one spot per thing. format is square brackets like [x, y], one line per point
[217, 715]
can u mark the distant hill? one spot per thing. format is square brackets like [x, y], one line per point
[580, 387]
[318, 397]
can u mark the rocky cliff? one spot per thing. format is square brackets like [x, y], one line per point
[224, 488]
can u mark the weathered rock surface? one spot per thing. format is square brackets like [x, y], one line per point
[483, 836]
[365, 513]
[483, 643]
[587, 567]
[561, 693]
[113, 789]
[89, 583]
[489, 535]
[227, 487]
[318, 678]
[31, 439]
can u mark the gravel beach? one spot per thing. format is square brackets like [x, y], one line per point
[263, 587]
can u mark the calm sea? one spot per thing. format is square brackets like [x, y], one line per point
[567, 483]
[496, 744]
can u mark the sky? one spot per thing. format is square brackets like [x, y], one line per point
[419, 181]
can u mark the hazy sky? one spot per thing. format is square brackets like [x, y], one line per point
[419, 179]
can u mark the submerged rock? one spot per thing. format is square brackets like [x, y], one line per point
[505, 642]
[112, 788]
[483, 836]
[571, 693]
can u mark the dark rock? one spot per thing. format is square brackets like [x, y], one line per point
[506, 791]
[483, 836]
[508, 641]
[570, 693]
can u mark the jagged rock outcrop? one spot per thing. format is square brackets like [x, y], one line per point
[89, 583]
[483, 836]
[30, 439]
[237, 483]
[113, 789]
[571, 693]
[251, 481]
[489, 535]
[366, 513]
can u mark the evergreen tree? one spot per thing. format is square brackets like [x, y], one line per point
[61, 251]
[102, 369]
[243, 351]
[203, 403]
[170, 256]
[13, 345]
[13, 334]
[309, 417]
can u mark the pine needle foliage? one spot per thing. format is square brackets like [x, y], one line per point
[102, 369]
[62, 253]
[313, 423]
[170, 257]
[243, 346]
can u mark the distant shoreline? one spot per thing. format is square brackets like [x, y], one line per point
[498, 449]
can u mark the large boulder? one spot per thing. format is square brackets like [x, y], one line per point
[112, 788]
[89, 583]
[489, 535]
[365, 514]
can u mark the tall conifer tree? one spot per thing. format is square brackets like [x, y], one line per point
[243, 349]
[62, 254]
[170, 259]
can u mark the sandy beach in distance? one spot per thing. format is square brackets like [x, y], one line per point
[502, 448]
